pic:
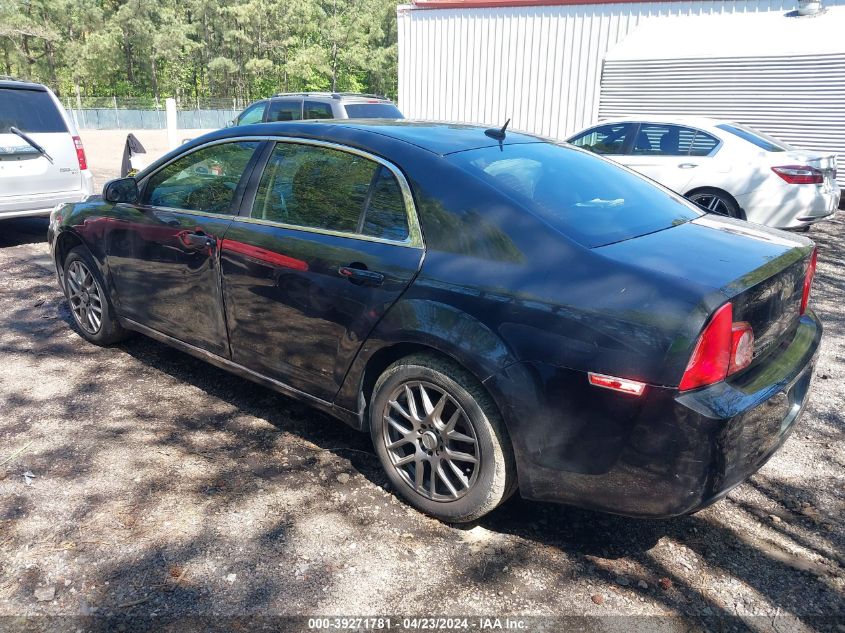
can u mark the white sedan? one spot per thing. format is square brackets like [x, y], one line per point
[726, 167]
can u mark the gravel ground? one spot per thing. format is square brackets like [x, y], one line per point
[161, 486]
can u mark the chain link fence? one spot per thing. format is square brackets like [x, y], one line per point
[147, 113]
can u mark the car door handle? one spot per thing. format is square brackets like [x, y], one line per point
[687, 165]
[195, 241]
[361, 276]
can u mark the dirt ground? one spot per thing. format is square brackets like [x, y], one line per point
[104, 149]
[136, 481]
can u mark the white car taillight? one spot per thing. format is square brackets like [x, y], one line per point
[800, 174]
[80, 153]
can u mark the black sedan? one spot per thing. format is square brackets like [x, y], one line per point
[498, 311]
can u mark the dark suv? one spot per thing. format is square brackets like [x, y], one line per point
[296, 106]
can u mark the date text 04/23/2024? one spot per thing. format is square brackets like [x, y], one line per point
[417, 624]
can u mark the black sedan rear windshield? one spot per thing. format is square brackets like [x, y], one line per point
[29, 111]
[373, 111]
[589, 199]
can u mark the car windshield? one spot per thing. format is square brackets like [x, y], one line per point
[763, 141]
[373, 111]
[591, 200]
[29, 111]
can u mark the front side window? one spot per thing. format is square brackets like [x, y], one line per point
[604, 139]
[317, 110]
[204, 180]
[286, 110]
[591, 200]
[253, 114]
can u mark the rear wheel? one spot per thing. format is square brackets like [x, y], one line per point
[89, 304]
[716, 201]
[441, 439]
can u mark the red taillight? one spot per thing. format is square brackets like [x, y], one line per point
[723, 348]
[80, 153]
[800, 174]
[712, 354]
[808, 281]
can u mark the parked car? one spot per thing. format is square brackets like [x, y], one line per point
[42, 161]
[725, 167]
[495, 310]
[296, 106]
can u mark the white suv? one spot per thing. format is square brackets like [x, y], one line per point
[42, 162]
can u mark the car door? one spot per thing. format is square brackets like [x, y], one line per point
[163, 251]
[663, 153]
[327, 241]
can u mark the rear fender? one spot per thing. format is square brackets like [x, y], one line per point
[419, 324]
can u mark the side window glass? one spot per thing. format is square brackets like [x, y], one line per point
[253, 114]
[204, 180]
[315, 110]
[662, 140]
[703, 144]
[386, 216]
[605, 139]
[288, 110]
[317, 187]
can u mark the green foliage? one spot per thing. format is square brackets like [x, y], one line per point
[194, 49]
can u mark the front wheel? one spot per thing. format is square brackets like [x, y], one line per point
[89, 304]
[440, 439]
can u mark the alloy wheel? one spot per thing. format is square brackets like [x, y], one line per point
[712, 202]
[431, 442]
[86, 300]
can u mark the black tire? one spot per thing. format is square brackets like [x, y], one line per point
[89, 303]
[716, 201]
[477, 488]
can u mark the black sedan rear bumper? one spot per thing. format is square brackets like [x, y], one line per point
[659, 455]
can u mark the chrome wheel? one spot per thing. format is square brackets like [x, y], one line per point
[431, 442]
[86, 300]
[713, 203]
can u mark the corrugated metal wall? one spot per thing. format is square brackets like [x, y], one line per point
[539, 66]
[800, 100]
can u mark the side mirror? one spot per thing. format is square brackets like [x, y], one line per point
[230, 123]
[121, 190]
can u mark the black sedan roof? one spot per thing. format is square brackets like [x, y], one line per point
[436, 137]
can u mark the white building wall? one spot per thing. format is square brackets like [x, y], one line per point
[539, 66]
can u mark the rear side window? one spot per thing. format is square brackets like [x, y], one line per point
[204, 180]
[316, 110]
[604, 139]
[29, 111]
[703, 144]
[591, 200]
[285, 111]
[763, 141]
[373, 111]
[385, 216]
[317, 187]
